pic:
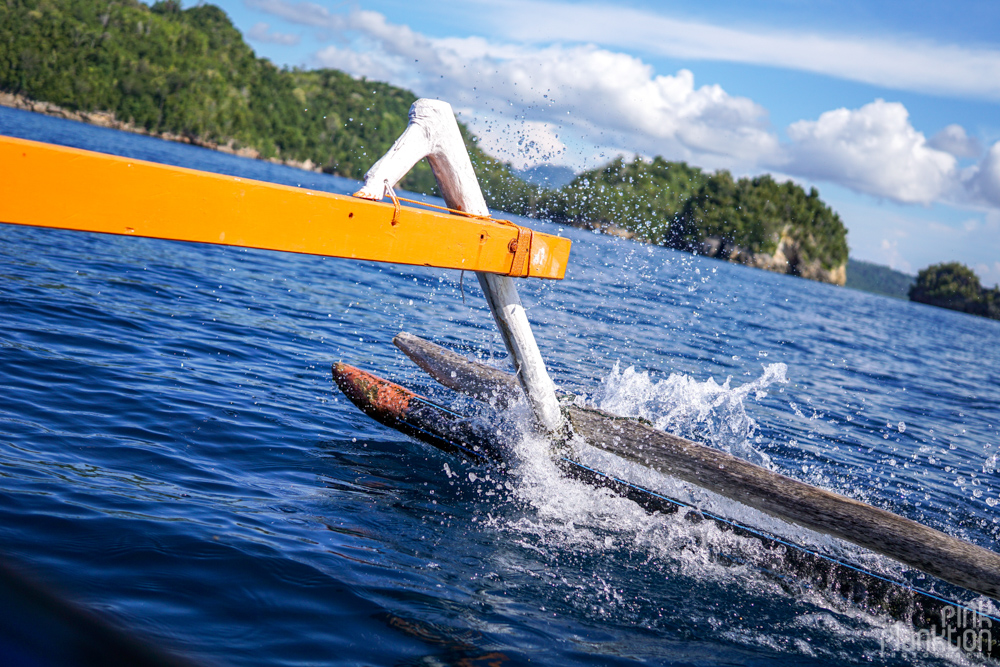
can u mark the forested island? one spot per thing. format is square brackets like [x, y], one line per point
[187, 74]
[753, 221]
[955, 286]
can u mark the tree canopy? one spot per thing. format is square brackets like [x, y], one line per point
[189, 72]
[680, 206]
[955, 286]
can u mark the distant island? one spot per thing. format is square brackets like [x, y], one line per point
[878, 279]
[187, 75]
[754, 221]
[956, 287]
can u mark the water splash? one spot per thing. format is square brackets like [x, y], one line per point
[704, 411]
[601, 544]
[566, 514]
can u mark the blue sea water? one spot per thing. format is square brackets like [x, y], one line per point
[174, 456]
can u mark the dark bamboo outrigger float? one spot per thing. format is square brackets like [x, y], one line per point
[939, 614]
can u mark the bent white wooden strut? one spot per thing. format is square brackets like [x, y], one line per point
[433, 133]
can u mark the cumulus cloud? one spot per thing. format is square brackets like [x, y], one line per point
[261, 32]
[954, 140]
[370, 65]
[599, 92]
[607, 98]
[984, 181]
[874, 150]
[522, 145]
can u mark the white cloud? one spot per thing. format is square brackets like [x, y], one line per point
[985, 179]
[988, 235]
[261, 32]
[371, 65]
[523, 145]
[989, 274]
[898, 64]
[874, 150]
[608, 99]
[954, 140]
[895, 63]
[891, 257]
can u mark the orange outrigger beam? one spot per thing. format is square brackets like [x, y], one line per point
[67, 188]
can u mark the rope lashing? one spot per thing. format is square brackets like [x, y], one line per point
[520, 247]
[395, 202]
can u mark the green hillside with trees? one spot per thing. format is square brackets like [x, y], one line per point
[955, 286]
[188, 72]
[755, 221]
[878, 279]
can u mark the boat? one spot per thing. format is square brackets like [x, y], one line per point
[116, 195]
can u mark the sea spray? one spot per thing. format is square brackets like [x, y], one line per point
[565, 514]
[612, 557]
[704, 411]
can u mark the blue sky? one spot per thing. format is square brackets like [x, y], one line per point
[890, 109]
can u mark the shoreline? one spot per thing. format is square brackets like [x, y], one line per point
[109, 120]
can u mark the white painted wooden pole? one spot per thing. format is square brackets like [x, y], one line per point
[433, 133]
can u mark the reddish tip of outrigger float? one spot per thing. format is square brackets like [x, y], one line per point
[399, 408]
[378, 398]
